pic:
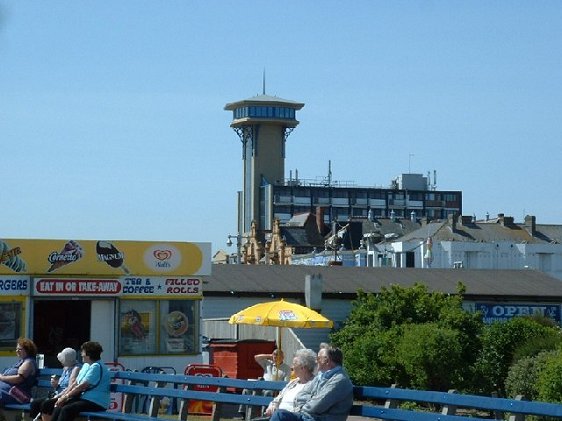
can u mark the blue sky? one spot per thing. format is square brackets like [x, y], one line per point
[112, 123]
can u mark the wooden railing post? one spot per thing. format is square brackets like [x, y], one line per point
[217, 406]
[517, 417]
[498, 415]
[128, 400]
[391, 403]
[154, 405]
[184, 407]
[449, 409]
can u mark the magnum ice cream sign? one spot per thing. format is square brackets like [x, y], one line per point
[109, 254]
[104, 257]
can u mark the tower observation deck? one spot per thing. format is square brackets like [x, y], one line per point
[263, 124]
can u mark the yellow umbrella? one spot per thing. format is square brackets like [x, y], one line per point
[280, 314]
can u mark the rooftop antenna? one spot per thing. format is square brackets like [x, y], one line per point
[329, 172]
[263, 82]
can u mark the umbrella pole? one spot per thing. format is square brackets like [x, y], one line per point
[279, 338]
[280, 349]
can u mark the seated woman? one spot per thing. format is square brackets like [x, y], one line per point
[304, 364]
[43, 408]
[23, 374]
[91, 390]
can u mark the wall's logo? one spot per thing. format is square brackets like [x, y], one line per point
[162, 254]
[162, 257]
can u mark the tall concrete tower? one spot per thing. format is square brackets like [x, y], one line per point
[263, 124]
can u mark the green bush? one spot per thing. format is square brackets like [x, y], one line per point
[535, 346]
[431, 356]
[549, 379]
[522, 378]
[500, 342]
[411, 337]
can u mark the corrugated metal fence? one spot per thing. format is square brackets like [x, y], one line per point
[220, 329]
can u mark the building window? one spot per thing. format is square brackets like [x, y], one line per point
[340, 214]
[11, 315]
[377, 194]
[340, 194]
[360, 212]
[415, 196]
[148, 327]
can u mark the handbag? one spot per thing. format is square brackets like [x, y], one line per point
[19, 395]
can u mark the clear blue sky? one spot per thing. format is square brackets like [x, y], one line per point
[112, 123]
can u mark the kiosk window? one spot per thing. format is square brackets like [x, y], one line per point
[10, 324]
[157, 327]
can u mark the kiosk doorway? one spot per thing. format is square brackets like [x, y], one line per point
[58, 324]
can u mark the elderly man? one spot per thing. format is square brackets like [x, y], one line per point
[274, 368]
[328, 397]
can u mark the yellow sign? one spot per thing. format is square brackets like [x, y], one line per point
[115, 258]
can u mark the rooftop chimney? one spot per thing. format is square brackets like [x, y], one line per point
[531, 224]
[452, 219]
[505, 220]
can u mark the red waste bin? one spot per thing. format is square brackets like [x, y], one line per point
[236, 357]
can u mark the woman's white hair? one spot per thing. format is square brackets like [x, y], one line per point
[67, 357]
[306, 358]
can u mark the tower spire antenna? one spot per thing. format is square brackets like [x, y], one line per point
[263, 82]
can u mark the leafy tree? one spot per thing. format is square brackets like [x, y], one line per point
[411, 337]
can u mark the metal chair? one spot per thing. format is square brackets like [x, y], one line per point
[158, 370]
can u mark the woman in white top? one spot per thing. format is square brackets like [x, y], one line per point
[304, 364]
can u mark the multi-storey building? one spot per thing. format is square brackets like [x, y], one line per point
[263, 124]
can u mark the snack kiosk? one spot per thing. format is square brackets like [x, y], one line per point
[139, 299]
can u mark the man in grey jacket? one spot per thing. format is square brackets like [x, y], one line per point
[328, 397]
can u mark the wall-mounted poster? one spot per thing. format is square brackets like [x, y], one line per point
[137, 319]
[177, 327]
[161, 327]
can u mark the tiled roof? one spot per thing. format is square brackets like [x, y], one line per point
[485, 232]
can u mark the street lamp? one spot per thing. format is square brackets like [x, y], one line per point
[239, 238]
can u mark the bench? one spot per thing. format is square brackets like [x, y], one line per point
[371, 402]
[383, 403]
[154, 387]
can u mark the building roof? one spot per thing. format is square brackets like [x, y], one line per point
[382, 227]
[288, 281]
[264, 100]
[465, 229]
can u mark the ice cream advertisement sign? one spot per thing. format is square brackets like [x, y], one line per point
[103, 257]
